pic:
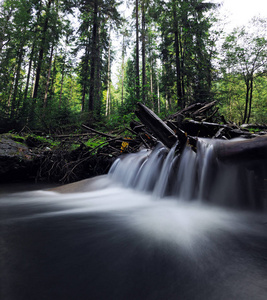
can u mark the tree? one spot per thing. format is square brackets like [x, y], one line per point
[246, 56]
[96, 16]
[137, 49]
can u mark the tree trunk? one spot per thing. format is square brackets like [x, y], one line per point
[151, 82]
[251, 149]
[108, 81]
[247, 100]
[177, 56]
[158, 96]
[137, 51]
[15, 91]
[48, 77]
[28, 76]
[93, 59]
[122, 69]
[98, 86]
[85, 75]
[61, 84]
[143, 53]
[250, 98]
[30, 62]
[41, 53]
[163, 132]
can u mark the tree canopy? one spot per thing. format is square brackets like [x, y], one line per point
[56, 59]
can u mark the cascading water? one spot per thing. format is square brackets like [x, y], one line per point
[193, 176]
[159, 226]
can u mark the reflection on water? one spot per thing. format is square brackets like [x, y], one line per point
[117, 243]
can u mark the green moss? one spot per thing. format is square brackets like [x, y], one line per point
[40, 141]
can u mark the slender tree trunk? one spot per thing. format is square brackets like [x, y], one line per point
[137, 51]
[15, 91]
[182, 67]
[97, 94]
[143, 53]
[11, 91]
[41, 52]
[61, 84]
[85, 75]
[40, 62]
[28, 76]
[93, 59]
[158, 91]
[53, 76]
[48, 77]
[151, 78]
[30, 63]
[250, 98]
[71, 91]
[122, 69]
[108, 81]
[83, 97]
[247, 100]
[177, 56]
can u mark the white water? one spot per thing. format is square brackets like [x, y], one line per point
[151, 229]
[194, 176]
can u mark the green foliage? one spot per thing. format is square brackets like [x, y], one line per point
[95, 142]
[243, 64]
[54, 76]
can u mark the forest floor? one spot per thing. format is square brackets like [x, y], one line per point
[68, 158]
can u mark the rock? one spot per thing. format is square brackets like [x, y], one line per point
[17, 161]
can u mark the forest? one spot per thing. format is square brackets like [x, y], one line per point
[57, 63]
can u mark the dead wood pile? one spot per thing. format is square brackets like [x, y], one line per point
[201, 120]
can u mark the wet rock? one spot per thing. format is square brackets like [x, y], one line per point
[17, 160]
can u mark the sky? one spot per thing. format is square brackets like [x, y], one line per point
[239, 12]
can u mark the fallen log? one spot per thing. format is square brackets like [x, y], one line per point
[204, 108]
[252, 149]
[162, 131]
[245, 149]
[98, 132]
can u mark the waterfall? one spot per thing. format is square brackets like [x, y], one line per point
[159, 226]
[198, 176]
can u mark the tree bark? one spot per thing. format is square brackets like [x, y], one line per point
[143, 53]
[28, 75]
[137, 51]
[250, 99]
[48, 77]
[41, 52]
[85, 75]
[93, 59]
[163, 132]
[252, 149]
[177, 57]
[247, 100]
[61, 84]
[15, 91]
[108, 81]
[122, 69]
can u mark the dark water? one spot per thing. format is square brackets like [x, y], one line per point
[121, 243]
